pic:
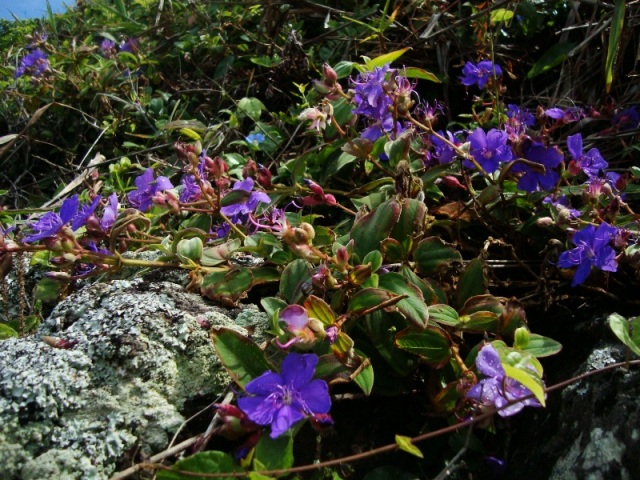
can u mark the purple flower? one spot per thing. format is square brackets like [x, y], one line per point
[543, 177]
[442, 151]
[34, 63]
[568, 115]
[110, 212]
[591, 162]
[131, 45]
[51, 222]
[373, 100]
[489, 149]
[83, 213]
[627, 119]
[252, 199]
[562, 204]
[190, 189]
[498, 389]
[282, 400]
[520, 115]
[107, 46]
[148, 187]
[479, 74]
[593, 249]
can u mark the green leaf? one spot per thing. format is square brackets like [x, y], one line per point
[251, 107]
[552, 57]
[615, 34]
[428, 293]
[235, 197]
[382, 60]
[364, 379]
[271, 305]
[343, 68]
[540, 346]
[433, 253]
[628, 331]
[242, 358]
[472, 282]
[432, 345]
[218, 254]
[374, 257]
[410, 224]
[227, 286]
[527, 379]
[404, 443]
[7, 332]
[398, 149]
[202, 462]
[500, 15]
[320, 310]
[370, 230]
[275, 453]
[294, 276]
[392, 250]
[368, 298]
[413, 72]
[444, 314]
[48, 290]
[479, 322]
[413, 308]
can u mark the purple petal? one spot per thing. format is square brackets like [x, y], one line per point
[574, 145]
[162, 183]
[69, 208]
[265, 384]
[488, 362]
[298, 369]
[110, 212]
[143, 182]
[260, 410]
[486, 391]
[316, 397]
[285, 418]
[246, 185]
[295, 316]
[80, 218]
[582, 272]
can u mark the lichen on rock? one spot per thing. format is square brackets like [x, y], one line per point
[139, 352]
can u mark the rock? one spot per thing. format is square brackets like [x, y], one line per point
[136, 352]
[591, 429]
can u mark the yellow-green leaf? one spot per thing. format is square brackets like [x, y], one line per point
[404, 443]
[614, 41]
[532, 383]
[382, 60]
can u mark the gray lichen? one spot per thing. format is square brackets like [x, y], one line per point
[141, 352]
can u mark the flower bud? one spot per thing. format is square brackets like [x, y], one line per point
[522, 338]
[360, 274]
[190, 248]
[330, 75]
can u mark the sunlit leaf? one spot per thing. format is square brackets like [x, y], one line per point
[241, 356]
[404, 443]
[432, 345]
[615, 34]
[382, 60]
[202, 462]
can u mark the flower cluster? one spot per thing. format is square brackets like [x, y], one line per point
[35, 63]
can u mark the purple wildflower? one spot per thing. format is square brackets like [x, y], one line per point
[190, 189]
[148, 187]
[252, 199]
[282, 400]
[567, 115]
[107, 46]
[83, 213]
[34, 63]
[489, 149]
[130, 45]
[498, 389]
[627, 119]
[543, 177]
[442, 151]
[110, 212]
[479, 74]
[51, 222]
[562, 205]
[520, 115]
[593, 249]
[373, 101]
[591, 162]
